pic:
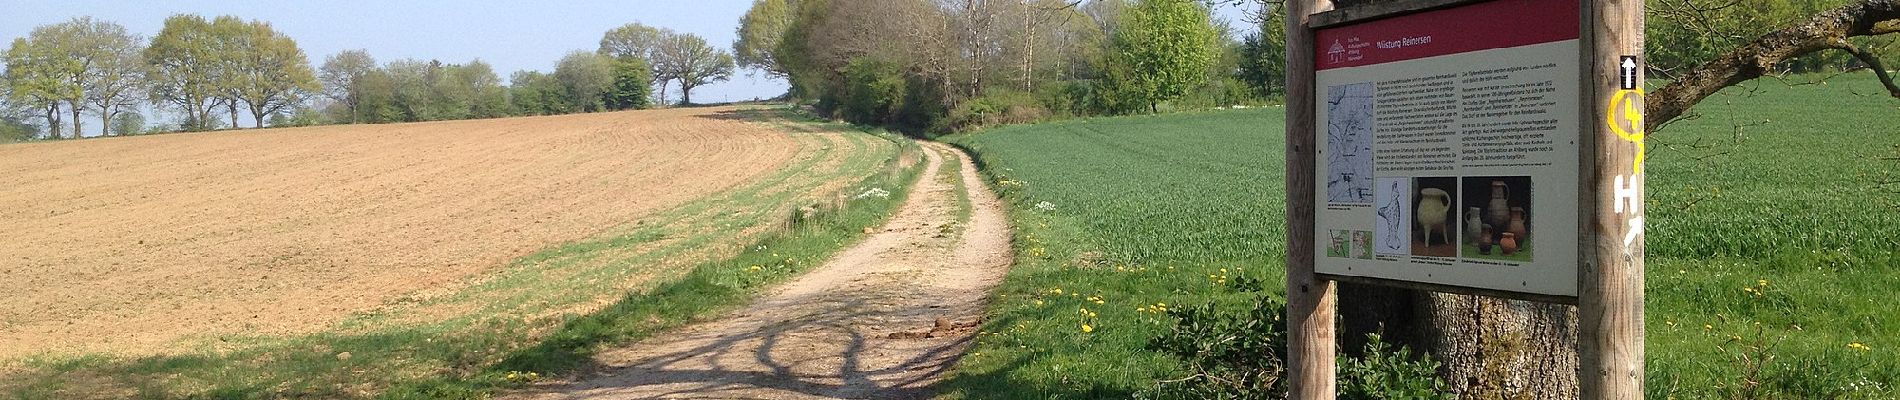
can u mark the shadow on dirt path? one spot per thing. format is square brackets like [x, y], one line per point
[882, 319]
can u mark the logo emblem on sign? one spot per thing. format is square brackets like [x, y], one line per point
[1336, 54]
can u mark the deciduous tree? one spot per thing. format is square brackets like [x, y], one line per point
[584, 78]
[640, 41]
[183, 65]
[116, 73]
[33, 81]
[342, 79]
[1161, 51]
[760, 31]
[267, 72]
[629, 90]
[688, 59]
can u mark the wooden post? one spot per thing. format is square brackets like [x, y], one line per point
[1311, 303]
[1610, 288]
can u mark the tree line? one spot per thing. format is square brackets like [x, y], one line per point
[943, 65]
[209, 72]
[946, 65]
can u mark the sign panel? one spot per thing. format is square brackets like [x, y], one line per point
[1448, 147]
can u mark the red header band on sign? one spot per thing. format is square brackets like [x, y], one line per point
[1490, 25]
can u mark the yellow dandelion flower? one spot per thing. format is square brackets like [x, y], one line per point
[1086, 328]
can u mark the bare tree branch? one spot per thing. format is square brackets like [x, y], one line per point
[1828, 30]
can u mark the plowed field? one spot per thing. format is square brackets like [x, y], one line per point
[130, 244]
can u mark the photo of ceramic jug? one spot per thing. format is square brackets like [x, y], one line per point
[1517, 224]
[1484, 240]
[1433, 206]
[1500, 207]
[1472, 223]
[1508, 243]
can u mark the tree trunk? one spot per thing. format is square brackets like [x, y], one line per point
[52, 121]
[231, 107]
[257, 113]
[105, 122]
[76, 125]
[662, 94]
[1490, 348]
[686, 93]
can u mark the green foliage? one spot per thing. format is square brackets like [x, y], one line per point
[263, 69]
[128, 123]
[1681, 34]
[629, 90]
[1263, 55]
[47, 68]
[688, 59]
[1161, 51]
[585, 79]
[874, 92]
[16, 129]
[761, 30]
[183, 68]
[1380, 373]
[342, 78]
[1228, 355]
[998, 107]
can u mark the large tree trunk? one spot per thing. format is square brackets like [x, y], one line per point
[1490, 348]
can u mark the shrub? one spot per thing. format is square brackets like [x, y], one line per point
[874, 91]
[1241, 355]
[1390, 375]
[998, 107]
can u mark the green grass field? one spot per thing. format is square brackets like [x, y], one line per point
[1769, 235]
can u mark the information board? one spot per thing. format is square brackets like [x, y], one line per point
[1448, 147]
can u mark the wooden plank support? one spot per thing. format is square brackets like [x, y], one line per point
[1610, 288]
[1311, 302]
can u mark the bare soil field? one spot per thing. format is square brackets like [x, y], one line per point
[127, 245]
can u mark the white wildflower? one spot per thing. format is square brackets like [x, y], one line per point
[878, 192]
[1046, 206]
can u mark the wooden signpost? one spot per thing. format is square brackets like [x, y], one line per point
[1454, 146]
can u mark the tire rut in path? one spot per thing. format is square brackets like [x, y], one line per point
[882, 319]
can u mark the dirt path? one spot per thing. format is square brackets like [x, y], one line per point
[882, 319]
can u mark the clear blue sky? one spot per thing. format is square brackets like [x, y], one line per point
[511, 35]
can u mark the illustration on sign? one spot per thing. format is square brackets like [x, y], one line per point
[1452, 137]
[1349, 144]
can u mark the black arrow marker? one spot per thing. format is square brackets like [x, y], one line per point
[1629, 72]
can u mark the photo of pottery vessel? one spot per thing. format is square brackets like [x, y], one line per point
[1434, 217]
[1499, 207]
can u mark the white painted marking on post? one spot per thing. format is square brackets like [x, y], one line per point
[1628, 192]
